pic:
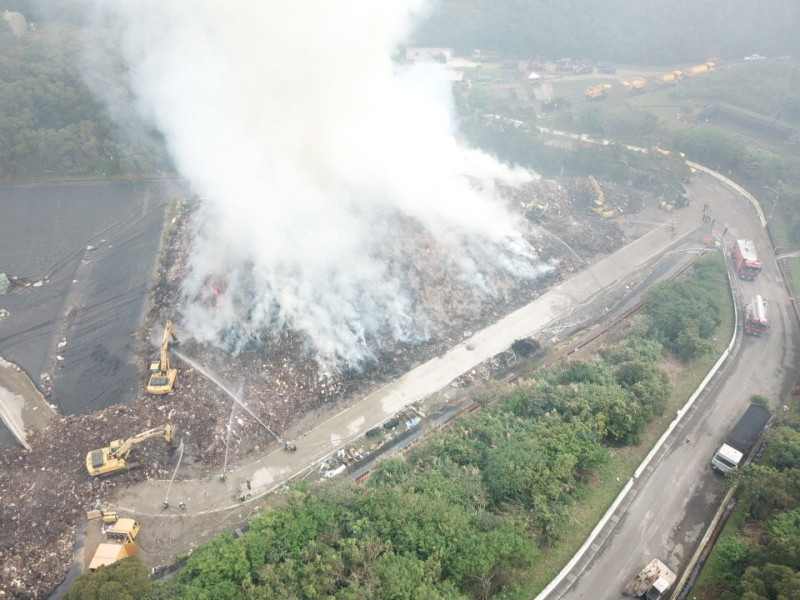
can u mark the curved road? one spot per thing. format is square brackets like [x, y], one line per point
[667, 511]
[673, 503]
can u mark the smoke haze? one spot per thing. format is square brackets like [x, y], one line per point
[309, 146]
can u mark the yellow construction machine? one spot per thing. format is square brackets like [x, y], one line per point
[597, 92]
[669, 78]
[599, 203]
[162, 377]
[120, 543]
[112, 458]
[699, 69]
[536, 209]
[635, 84]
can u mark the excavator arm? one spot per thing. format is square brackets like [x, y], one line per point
[600, 208]
[128, 443]
[112, 458]
[162, 375]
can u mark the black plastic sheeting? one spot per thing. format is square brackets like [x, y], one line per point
[87, 252]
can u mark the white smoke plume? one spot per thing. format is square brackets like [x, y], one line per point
[307, 143]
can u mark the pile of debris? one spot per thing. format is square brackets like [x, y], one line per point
[48, 491]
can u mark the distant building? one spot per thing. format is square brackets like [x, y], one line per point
[421, 54]
[534, 78]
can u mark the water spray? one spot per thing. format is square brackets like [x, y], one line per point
[225, 389]
[227, 441]
[175, 472]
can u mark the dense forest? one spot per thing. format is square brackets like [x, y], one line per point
[52, 125]
[657, 32]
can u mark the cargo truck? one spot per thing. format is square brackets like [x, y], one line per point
[120, 543]
[755, 316]
[635, 83]
[669, 78]
[745, 260]
[652, 581]
[742, 439]
[699, 69]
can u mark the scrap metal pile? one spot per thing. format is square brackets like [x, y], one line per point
[46, 491]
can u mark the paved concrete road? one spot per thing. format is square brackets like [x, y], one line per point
[670, 507]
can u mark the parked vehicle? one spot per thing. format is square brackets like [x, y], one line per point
[536, 64]
[635, 83]
[755, 316]
[742, 439]
[699, 69]
[120, 543]
[597, 92]
[669, 78]
[745, 260]
[652, 581]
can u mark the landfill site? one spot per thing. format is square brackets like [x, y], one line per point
[87, 305]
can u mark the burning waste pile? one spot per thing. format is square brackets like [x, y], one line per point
[344, 236]
[348, 215]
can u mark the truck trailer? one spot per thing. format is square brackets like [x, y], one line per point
[652, 582]
[699, 69]
[669, 78]
[745, 260]
[120, 543]
[742, 439]
[755, 316]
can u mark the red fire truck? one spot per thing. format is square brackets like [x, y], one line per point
[746, 260]
[755, 316]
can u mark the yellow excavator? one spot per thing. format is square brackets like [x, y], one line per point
[162, 377]
[113, 458]
[597, 92]
[599, 203]
[536, 209]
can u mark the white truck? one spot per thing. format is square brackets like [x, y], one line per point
[742, 439]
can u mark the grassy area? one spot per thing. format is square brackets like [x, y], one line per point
[624, 461]
[573, 89]
[791, 266]
[714, 569]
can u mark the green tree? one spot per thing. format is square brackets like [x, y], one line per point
[784, 448]
[126, 579]
[771, 582]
